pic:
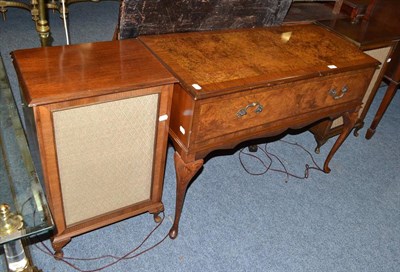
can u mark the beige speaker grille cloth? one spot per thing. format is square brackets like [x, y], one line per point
[381, 55]
[105, 155]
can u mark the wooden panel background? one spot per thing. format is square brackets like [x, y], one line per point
[141, 17]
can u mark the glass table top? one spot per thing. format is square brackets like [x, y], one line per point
[20, 187]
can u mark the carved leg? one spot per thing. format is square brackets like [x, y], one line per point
[58, 246]
[349, 120]
[390, 92]
[184, 173]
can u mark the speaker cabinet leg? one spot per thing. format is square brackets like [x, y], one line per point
[349, 120]
[58, 246]
[156, 212]
[184, 173]
[156, 215]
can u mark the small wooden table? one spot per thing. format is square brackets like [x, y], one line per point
[245, 84]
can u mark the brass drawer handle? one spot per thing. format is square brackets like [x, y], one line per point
[335, 95]
[243, 112]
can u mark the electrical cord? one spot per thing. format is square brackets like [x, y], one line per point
[46, 250]
[270, 156]
[65, 21]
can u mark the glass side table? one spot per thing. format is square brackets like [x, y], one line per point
[24, 211]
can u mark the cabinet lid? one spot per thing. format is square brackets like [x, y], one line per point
[60, 73]
[214, 63]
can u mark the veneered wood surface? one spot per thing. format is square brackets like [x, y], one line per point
[222, 62]
[218, 118]
[61, 73]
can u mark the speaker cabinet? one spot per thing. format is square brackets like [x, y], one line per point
[99, 115]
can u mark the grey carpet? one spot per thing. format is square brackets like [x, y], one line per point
[347, 220]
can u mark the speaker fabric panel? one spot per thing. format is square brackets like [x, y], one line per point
[105, 155]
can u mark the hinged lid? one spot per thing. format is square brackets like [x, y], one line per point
[214, 63]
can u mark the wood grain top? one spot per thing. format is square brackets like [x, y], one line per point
[54, 74]
[221, 62]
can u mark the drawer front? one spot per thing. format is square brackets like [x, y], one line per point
[253, 108]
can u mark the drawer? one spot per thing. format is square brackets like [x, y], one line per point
[240, 111]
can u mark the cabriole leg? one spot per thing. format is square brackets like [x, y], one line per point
[184, 174]
[349, 120]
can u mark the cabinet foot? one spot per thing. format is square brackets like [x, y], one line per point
[58, 246]
[157, 218]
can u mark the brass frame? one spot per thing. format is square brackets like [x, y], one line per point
[37, 9]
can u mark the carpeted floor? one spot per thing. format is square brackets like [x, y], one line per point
[347, 220]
